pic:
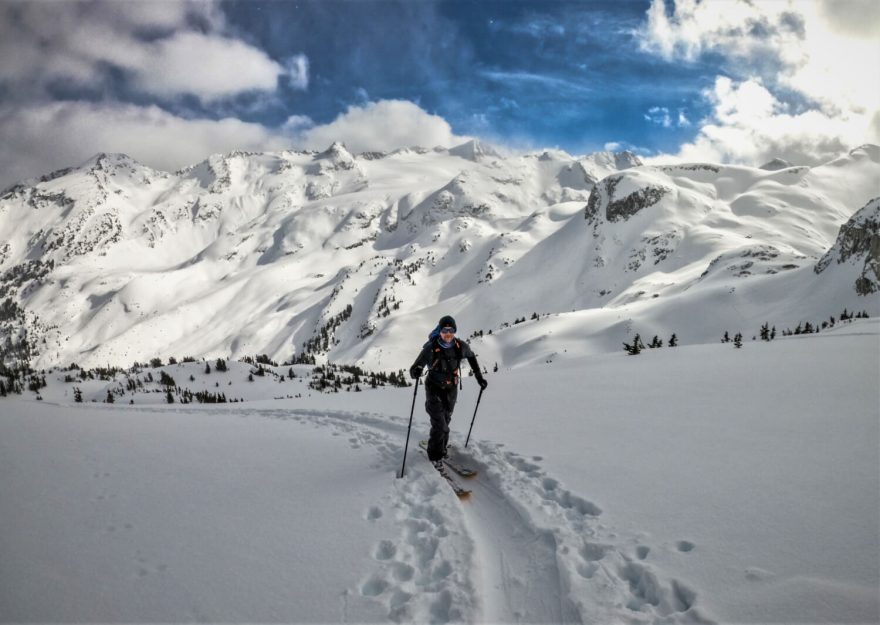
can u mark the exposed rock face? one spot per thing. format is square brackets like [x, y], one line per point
[859, 244]
[623, 208]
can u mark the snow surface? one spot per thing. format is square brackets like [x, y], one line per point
[696, 484]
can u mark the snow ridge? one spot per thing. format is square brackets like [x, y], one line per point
[112, 262]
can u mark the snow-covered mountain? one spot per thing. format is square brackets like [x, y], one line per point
[353, 258]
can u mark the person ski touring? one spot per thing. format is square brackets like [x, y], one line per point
[442, 355]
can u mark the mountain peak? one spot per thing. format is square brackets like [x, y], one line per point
[776, 164]
[108, 160]
[474, 150]
[338, 155]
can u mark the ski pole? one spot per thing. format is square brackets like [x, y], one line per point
[406, 447]
[474, 419]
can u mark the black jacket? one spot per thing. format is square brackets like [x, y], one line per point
[444, 364]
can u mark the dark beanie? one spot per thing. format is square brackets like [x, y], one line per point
[447, 321]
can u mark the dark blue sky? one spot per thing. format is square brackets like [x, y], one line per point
[554, 73]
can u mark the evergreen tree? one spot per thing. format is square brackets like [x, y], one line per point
[673, 340]
[655, 342]
[738, 340]
[169, 397]
[636, 347]
[207, 368]
[77, 395]
[726, 337]
[290, 374]
[109, 399]
[765, 332]
[220, 365]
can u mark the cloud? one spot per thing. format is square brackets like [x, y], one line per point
[162, 49]
[749, 125]
[201, 65]
[40, 139]
[661, 116]
[298, 71]
[531, 80]
[798, 82]
[380, 126]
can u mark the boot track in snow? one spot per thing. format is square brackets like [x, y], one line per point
[521, 549]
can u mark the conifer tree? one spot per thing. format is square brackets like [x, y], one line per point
[207, 368]
[636, 347]
[738, 340]
[109, 399]
[673, 340]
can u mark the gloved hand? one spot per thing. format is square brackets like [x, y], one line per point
[482, 382]
[415, 372]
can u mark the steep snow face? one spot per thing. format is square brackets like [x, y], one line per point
[350, 257]
[858, 245]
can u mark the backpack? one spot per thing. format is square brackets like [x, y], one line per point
[444, 371]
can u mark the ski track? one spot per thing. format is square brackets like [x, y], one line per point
[521, 549]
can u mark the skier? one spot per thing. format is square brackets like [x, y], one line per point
[442, 354]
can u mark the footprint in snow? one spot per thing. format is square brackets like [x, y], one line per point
[385, 550]
[374, 513]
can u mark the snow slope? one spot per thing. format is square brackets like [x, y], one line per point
[696, 484]
[243, 254]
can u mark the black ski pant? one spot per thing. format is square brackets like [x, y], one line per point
[439, 404]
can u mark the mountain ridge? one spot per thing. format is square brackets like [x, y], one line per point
[246, 253]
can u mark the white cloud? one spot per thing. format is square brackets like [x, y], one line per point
[296, 125]
[44, 43]
[748, 125]
[382, 126]
[661, 116]
[806, 83]
[40, 139]
[190, 62]
[298, 71]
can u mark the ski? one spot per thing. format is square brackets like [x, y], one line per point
[463, 471]
[457, 488]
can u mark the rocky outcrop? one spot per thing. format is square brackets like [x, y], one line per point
[858, 243]
[621, 209]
